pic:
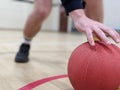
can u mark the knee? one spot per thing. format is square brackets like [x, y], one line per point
[42, 13]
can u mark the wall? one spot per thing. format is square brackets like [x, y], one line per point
[13, 15]
[52, 22]
[112, 13]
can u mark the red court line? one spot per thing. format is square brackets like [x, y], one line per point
[42, 81]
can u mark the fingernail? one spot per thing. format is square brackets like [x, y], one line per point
[108, 42]
[92, 44]
[118, 40]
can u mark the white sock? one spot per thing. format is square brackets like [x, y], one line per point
[26, 40]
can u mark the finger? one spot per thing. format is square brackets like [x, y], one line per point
[117, 35]
[112, 33]
[90, 37]
[101, 35]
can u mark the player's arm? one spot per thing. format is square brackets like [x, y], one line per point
[74, 8]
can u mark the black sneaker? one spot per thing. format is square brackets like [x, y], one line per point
[23, 54]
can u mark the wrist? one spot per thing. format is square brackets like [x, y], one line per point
[75, 14]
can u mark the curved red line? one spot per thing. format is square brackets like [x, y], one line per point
[42, 81]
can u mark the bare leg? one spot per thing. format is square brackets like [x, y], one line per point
[34, 22]
[94, 9]
[41, 10]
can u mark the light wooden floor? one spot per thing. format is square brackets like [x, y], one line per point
[48, 57]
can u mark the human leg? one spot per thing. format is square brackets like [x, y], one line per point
[33, 24]
[94, 9]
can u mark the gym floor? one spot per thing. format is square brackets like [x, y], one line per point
[48, 58]
[47, 68]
